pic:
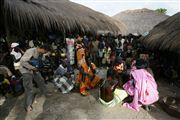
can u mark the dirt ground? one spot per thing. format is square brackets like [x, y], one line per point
[73, 106]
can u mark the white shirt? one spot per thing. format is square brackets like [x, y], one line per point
[17, 55]
[122, 43]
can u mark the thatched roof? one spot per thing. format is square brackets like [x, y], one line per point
[165, 35]
[140, 20]
[122, 27]
[55, 14]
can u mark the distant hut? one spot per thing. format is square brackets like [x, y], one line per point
[122, 29]
[141, 20]
[61, 15]
[165, 36]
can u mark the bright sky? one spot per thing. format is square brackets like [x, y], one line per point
[112, 7]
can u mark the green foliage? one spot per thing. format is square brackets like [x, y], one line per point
[161, 10]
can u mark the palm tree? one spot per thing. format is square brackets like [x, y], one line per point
[161, 10]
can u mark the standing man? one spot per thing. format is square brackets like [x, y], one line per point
[30, 73]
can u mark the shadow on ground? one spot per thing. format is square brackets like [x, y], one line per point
[165, 89]
[7, 106]
[69, 106]
[74, 106]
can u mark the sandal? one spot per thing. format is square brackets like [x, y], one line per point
[29, 108]
[84, 93]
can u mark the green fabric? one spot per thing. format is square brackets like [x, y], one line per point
[119, 96]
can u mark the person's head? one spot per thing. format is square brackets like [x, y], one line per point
[119, 36]
[141, 64]
[118, 60]
[118, 65]
[44, 49]
[79, 38]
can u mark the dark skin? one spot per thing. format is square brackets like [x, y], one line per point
[116, 76]
[89, 64]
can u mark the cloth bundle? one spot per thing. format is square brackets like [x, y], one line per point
[64, 84]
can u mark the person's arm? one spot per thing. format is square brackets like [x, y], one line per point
[93, 68]
[25, 60]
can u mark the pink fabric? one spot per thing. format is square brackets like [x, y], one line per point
[144, 89]
[129, 87]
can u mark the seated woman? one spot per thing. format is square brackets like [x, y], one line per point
[87, 77]
[80, 53]
[142, 87]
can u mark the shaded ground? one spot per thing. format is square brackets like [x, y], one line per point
[74, 106]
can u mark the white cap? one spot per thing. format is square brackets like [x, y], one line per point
[14, 45]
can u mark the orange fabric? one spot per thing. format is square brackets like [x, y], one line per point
[85, 82]
[95, 81]
[83, 87]
[78, 77]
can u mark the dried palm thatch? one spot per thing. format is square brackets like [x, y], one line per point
[140, 20]
[54, 14]
[122, 27]
[165, 35]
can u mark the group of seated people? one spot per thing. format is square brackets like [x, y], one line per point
[137, 86]
[136, 82]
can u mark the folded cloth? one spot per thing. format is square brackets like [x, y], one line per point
[60, 70]
[64, 84]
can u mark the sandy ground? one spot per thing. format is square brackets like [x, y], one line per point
[73, 106]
